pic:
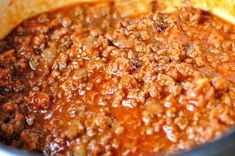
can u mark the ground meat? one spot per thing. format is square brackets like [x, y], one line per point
[85, 81]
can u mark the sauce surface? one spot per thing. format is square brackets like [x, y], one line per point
[85, 81]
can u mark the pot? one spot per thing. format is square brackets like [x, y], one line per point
[224, 146]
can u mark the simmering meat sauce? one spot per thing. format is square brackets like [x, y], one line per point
[85, 81]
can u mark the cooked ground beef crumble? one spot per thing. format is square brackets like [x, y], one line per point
[85, 81]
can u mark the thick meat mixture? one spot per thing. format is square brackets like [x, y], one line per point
[85, 81]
